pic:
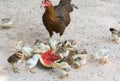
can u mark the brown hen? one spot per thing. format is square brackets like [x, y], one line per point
[57, 18]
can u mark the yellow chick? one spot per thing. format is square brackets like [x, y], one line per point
[32, 62]
[6, 22]
[69, 44]
[78, 58]
[40, 47]
[115, 35]
[62, 51]
[27, 51]
[53, 43]
[63, 67]
[102, 56]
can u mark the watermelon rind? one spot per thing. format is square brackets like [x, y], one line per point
[49, 66]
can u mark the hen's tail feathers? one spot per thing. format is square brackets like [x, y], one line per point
[64, 2]
[74, 6]
[71, 6]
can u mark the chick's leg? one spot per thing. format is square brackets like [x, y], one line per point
[51, 34]
[65, 74]
[105, 61]
[31, 70]
[117, 40]
[60, 38]
[15, 69]
[78, 65]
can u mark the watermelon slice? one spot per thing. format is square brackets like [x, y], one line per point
[48, 58]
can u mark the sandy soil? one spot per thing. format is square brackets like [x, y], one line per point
[89, 26]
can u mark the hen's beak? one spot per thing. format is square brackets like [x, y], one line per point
[40, 6]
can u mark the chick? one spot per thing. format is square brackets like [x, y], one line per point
[63, 52]
[16, 59]
[32, 62]
[78, 58]
[40, 47]
[19, 45]
[6, 22]
[102, 56]
[53, 43]
[115, 35]
[69, 44]
[27, 51]
[63, 67]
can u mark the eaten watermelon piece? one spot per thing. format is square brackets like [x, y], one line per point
[48, 58]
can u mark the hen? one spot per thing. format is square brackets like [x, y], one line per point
[57, 18]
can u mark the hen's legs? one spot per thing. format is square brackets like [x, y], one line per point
[51, 34]
[60, 38]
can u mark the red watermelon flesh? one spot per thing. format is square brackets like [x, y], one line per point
[48, 58]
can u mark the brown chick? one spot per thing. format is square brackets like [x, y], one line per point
[115, 35]
[16, 59]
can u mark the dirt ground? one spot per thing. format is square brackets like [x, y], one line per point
[89, 26]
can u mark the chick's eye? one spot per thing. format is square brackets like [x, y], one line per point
[28, 64]
[66, 69]
[77, 59]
